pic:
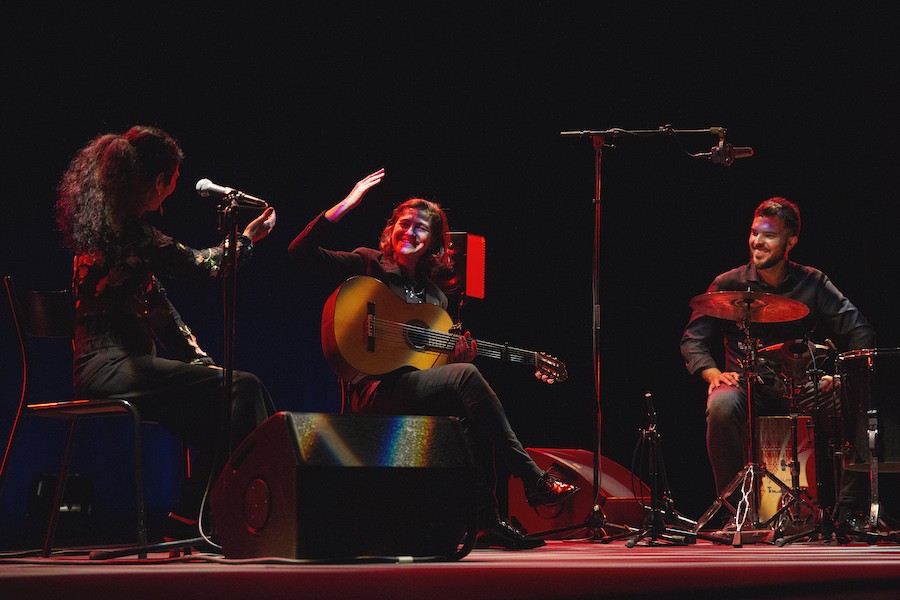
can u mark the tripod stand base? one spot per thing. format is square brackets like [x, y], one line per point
[655, 532]
[751, 531]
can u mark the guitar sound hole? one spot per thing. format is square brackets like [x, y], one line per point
[417, 334]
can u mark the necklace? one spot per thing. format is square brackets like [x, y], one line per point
[413, 295]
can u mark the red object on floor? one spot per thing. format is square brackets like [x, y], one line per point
[618, 489]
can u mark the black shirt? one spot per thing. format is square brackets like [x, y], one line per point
[831, 314]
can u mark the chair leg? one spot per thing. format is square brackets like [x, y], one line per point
[58, 493]
[7, 453]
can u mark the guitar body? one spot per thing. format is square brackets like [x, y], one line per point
[368, 330]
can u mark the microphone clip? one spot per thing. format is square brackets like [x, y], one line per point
[240, 199]
[722, 154]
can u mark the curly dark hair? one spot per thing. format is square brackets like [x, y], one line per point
[107, 181]
[438, 256]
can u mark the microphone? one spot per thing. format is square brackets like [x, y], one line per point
[205, 187]
[651, 411]
[725, 153]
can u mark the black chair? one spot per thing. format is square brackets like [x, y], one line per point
[47, 315]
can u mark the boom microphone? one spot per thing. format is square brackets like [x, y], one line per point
[725, 153]
[205, 187]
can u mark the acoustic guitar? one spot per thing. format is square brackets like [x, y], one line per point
[368, 330]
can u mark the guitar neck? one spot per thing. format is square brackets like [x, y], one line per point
[506, 353]
[502, 352]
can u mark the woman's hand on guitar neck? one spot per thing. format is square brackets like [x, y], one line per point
[336, 212]
[465, 349]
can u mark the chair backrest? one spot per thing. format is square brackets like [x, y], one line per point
[41, 318]
[44, 314]
[45, 323]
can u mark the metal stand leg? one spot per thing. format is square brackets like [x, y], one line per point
[746, 514]
[660, 517]
[797, 497]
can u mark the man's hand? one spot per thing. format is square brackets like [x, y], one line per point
[714, 377]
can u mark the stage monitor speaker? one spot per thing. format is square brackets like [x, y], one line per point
[618, 490]
[310, 485]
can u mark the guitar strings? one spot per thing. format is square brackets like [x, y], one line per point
[437, 341]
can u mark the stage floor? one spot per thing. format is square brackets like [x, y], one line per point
[561, 569]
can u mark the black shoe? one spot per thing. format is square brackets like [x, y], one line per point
[854, 523]
[504, 536]
[549, 490]
[180, 529]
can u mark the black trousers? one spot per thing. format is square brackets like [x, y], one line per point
[459, 390]
[186, 399]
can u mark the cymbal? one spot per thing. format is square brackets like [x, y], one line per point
[763, 307]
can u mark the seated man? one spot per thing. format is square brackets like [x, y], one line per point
[773, 233]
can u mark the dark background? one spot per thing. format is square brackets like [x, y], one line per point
[464, 104]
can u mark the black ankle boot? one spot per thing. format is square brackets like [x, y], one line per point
[504, 536]
[178, 528]
[548, 490]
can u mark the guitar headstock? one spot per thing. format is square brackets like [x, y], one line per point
[549, 368]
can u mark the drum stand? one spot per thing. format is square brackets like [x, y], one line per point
[748, 478]
[874, 522]
[798, 496]
[827, 530]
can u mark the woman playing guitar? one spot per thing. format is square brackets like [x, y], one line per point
[413, 246]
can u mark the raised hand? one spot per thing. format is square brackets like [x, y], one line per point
[261, 226]
[355, 196]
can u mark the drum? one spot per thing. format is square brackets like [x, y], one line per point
[870, 380]
[790, 363]
[775, 448]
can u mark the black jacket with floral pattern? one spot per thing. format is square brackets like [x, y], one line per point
[120, 302]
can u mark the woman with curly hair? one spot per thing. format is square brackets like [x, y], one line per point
[413, 247]
[130, 342]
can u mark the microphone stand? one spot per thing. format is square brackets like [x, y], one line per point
[228, 209]
[227, 214]
[595, 521]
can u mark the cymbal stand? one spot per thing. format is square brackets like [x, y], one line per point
[747, 511]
